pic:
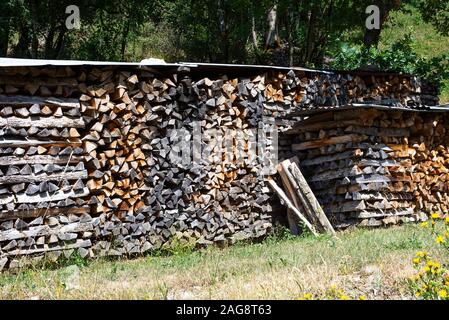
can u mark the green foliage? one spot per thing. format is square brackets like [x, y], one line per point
[178, 245]
[308, 33]
[399, 57]
[280, 233]
[412, 242]
[436, 12]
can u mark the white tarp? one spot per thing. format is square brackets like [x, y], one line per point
[13, 62]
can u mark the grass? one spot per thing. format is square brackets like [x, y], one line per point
[428, 42]
[374, 263]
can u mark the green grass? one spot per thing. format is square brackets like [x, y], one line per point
[428, 42]
[275, 268]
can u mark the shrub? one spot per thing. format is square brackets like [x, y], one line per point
[398, 57]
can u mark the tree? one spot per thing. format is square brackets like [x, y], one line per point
[436, 12]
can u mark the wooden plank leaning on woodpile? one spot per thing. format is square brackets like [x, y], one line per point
[289, 204]
[302, 197]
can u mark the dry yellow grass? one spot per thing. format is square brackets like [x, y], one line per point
[374, 263]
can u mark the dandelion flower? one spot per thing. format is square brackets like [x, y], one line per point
[442, 294]
[425, 224]
[416, 261]
[421, 254]
[435, 216]
[344, 297]
[362, 298]
[440, 239]
[307, 296]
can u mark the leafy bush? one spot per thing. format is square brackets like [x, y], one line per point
[398, 57]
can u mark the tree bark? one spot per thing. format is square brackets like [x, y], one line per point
[4, 38]
[272, 28]
[221, 11]
[290, 28]
[253, 31]
[124, 39]
[34, 38]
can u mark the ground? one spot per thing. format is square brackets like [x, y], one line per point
[372, 263]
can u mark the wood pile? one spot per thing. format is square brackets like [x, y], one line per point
[153, 198]
[287, 94]
[42, 173]
[90, 156]
[99, 168]
[375, 167]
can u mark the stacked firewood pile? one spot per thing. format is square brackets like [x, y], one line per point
[114, 161]
[428, 151]
[375, 167]
[42, 173]
[153, 195]
[111, 154]
[290, 93]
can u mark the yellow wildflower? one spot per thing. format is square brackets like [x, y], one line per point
[344, 297]
[446, 220]
[440, 239]
[425, 224]
[421, 254]
[307, 296]
[435, 216]
[442, 294]
[416, 261]
[362, 298]
[414, 278]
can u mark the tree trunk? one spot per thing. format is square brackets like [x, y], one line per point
[272, 28]
[59, 43]
[253, 31]
[372, 37]
[223, 29]
[34, 39]
[4, 38]
[22, 48]
[49, 43]
[124, 39]
[291, 45]
[309, 45]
